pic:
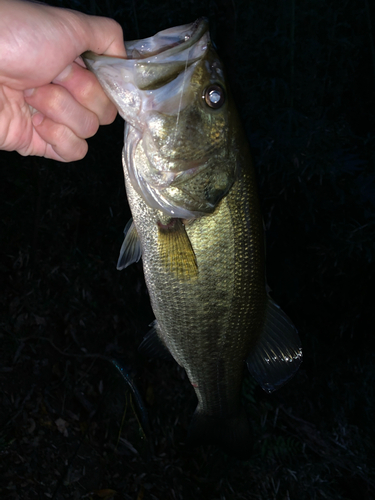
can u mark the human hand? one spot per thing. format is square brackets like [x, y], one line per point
[49, 102]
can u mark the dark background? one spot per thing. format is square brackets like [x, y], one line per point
[303, 74]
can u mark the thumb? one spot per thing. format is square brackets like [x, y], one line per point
[102, 35]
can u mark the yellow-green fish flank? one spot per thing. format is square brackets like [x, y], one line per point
[197, 225]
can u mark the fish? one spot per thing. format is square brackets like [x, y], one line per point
[197, 225]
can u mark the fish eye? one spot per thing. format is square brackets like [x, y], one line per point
[214, 96]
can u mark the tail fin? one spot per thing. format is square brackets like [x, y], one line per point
[232, 434]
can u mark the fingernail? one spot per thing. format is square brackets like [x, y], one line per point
[64, 74]
[37, 119]
[28, 92]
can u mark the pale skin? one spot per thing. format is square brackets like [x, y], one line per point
[49, 102]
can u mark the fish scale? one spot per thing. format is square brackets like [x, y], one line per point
[225, 300]
[192, 191]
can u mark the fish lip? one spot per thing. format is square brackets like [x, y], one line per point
[150, 62]
[185, 36]
[153, 77]
[194, 31]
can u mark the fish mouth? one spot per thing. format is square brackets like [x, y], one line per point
[151, 62]
[170, 39]
[151, 89]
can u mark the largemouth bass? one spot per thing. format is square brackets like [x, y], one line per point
[197, 225]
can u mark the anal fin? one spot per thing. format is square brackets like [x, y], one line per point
[152, 347]
[278, 353]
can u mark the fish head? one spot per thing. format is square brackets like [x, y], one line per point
[171, 91]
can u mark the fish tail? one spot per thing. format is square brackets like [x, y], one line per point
[231, 434]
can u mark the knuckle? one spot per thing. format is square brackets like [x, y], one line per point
[92, 125]
[57, 100]
[59, 134]
[72, 149]
[117, 30]
[90, 87]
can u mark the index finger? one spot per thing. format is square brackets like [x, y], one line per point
[85, 88]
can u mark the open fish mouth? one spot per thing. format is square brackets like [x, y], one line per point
[176, 145]
[150, 65]
[168, 39]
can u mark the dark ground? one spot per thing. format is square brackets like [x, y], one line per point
[303, 73]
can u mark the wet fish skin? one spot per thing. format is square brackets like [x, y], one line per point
[192, 191]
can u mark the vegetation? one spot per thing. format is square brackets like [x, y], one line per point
[303, 74]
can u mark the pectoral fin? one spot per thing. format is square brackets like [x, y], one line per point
[176, 251]
[131, 248]
[278, 354]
